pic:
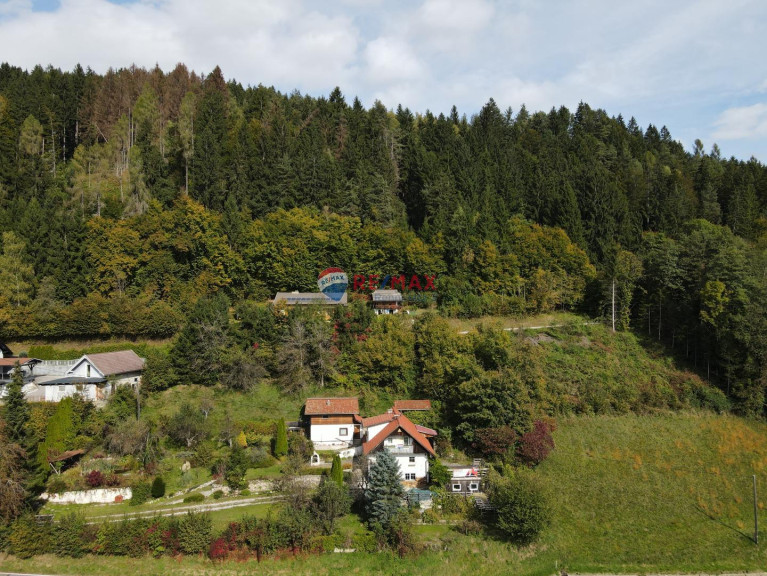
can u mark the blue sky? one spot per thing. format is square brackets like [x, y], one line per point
[695, 66]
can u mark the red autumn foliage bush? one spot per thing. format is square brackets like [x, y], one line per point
[219, 549]
[94, 479]
[537, 444]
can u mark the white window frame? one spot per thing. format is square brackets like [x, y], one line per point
[457, 487]
[343, 431]
[473, 486]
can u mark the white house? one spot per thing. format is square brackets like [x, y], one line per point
[94, 376]
[409, 444]
[333, 422]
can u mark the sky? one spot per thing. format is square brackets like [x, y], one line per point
[696, 66]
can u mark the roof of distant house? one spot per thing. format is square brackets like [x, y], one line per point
[113, 363]
[21, 361]
[399, 422]
[295, 298]
[403, 405]
[383, 295]
[315, 406]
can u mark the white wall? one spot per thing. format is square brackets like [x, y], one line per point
[56, 393]
[420, 467]
[99, 496]
[330, 433]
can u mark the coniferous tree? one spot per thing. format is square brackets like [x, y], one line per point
[16, 409]
[337, 471]
[281, 439]
[384, 492]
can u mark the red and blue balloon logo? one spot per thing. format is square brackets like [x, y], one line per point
[333, 283]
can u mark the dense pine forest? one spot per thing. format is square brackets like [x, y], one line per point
[126, 199]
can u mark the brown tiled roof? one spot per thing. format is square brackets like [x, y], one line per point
[112, 363]
[316, 406]
[380, 419]
[21, 361]
[412, 405]
[399, 422]
[425, 431]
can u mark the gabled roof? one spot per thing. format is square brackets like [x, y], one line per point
[399, 422]
[380, 419]
[318, 406]
[112, 363]
[402, 405]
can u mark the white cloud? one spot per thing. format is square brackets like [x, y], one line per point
[679, 64]
[743, 122]
[391, 59]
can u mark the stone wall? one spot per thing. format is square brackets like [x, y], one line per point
[98, 496]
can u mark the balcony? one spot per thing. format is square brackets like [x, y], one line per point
[399, 449]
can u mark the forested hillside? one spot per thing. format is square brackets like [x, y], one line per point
[125, 197]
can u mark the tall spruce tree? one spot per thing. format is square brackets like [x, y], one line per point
[16, 409]
[383, 497]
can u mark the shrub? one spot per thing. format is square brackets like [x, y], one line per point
[94, 479]
[521, 506]
[245, 492]
[141, 493]
[57, 485]
[194, 533]
[111, 480]
[366, 542]
[218, 494]
[439, 474]
[158, 487]
[28, 538]
[193, 497]
[219, 549]
[469, 527]
[535, 446]
[69, 536]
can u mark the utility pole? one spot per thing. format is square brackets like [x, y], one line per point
[756, 517]
[613, 303]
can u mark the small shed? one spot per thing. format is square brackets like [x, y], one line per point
[387, 301]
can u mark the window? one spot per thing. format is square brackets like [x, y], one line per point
[408, 441]
[473, 487]
[409, 476]
[456, 487]
[88, 370]
[62, 388]
[411, 461]
[343, 431]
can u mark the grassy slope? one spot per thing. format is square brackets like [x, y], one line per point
[665, 492]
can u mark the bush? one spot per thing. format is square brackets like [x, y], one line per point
[194, 497]
[57, 485]
[535, 446]
[28, 538]
[245, 492]
[94, 479]
[194, 533]
[495, 441]
[521, 506]
[219, 549]
[218, 494]
[158, 487]
[439, 474]
[141, 493]
[69, 536]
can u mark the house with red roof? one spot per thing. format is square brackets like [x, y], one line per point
[409, 443]
[333, 422]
